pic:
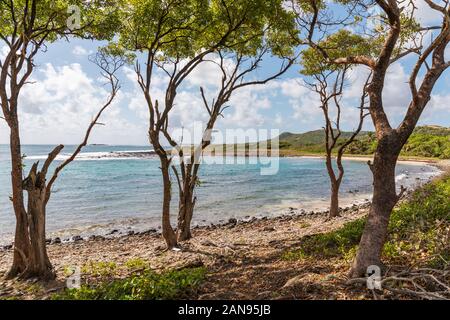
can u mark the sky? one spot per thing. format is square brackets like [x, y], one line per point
[67, 91]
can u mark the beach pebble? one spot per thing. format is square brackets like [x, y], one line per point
[95, 237]
[56, 240]
[148, 232]
[113, 232]
[77, 238]
[208, 243]
[293, 282]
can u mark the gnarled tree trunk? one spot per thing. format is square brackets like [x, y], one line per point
[186, 211]
[38, 262]
[21, 238]
[335, 183]
[167, 230]
[384, 199]
[334, 200]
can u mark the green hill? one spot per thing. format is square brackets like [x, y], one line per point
[426, 141]
[311, 141]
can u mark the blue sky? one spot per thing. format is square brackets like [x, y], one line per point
[68, 91]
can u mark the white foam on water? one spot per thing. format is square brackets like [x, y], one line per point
[91, 156]
[401, 177]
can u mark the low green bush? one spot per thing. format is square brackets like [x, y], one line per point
[149, 285]
[418, 230]
[335, 243]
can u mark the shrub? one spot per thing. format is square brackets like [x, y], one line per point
[336, 243]
[418, 229]
[146, 286]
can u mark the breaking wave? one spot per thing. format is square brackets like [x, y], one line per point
[92, 156]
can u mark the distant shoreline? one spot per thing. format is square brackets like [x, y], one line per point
[346, 200]
[359, 157]
[289, 209]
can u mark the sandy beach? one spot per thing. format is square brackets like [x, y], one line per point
[235, 252]
[247, 249]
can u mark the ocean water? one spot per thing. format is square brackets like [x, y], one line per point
[119, 187]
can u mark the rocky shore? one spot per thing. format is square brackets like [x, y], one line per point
[234, 252]
[291, 214]
[211, 245]
[244, 259]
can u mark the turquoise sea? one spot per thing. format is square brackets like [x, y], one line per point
[116, 187]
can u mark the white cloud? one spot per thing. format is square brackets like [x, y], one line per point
[247, 105]
[293, 88]
[80, 51]
[438, 105]
[278, 119]
[3, 52]
[60, 105]
[209, 73]
[427, 15]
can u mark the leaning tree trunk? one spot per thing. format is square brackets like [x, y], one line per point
[167, 230]
[335, 184]
[21, 238]
[334, 201]
[383, 201]
[186, 211]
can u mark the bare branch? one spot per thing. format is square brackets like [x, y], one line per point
[109, 66]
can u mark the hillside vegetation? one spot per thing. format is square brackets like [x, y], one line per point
[417, 249]
[426, 141]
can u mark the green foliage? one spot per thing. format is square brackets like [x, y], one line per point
[331, 244]
[113, 51]
[100, 268]
[426, 141]
[182, 29]
[136, 263]
[428, 145]
[293, 255]
[421, 224]
[365, 144]
[97, 19]
[418, 231]
[433, 130]
[365, 38]
[343, 43]
[146, 286]
[311, 142]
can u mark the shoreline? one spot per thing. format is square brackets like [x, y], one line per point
[123, 247]
[117, 234]
[316, 207]
[232, 252]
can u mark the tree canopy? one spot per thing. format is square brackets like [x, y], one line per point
[182, 29]
[46, 20]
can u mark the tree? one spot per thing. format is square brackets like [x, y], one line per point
[175, 37]
[329, 98]
[395, 36]
[232, 79]
[26, 26]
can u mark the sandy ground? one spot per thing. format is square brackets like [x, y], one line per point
[243, 259]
